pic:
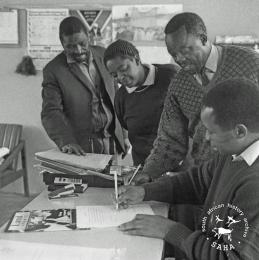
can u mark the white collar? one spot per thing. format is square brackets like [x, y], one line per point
[212, 61]
[250, 154]
[150, 79]
[210, 65]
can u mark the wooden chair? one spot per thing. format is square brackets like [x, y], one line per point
[10, 137]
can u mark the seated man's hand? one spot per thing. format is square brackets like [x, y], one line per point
[128, 195]
[141, 178]
[148, 226]
[73, 148]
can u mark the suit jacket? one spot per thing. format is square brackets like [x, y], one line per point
[67, 101]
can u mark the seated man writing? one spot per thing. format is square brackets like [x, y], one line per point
[227, 185]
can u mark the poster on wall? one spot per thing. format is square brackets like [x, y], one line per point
[90, 15]
[99, 25]
[9, 27]
[43, 34]
[143, 25]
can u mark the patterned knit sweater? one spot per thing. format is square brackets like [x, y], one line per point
[180, 119]
[229, 225]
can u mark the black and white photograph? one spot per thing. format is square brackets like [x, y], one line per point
[129, 129]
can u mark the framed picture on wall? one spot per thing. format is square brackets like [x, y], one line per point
[9, 28]
[142, 24]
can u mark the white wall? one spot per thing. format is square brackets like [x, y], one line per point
[20, 102]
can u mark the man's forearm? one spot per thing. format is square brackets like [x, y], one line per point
[160, 190]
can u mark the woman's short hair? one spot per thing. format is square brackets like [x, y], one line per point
[121, 48]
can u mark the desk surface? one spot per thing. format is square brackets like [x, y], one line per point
[136, 247]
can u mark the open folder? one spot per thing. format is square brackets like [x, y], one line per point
[90, 164]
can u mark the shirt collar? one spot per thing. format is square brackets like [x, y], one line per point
[250, 154]
[70, 60]
[212, 61]
[150, 79]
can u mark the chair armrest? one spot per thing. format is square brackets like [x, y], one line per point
[12, 155]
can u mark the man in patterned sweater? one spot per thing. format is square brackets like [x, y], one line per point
[227, 185]
[203, 65]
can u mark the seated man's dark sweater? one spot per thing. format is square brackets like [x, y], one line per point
[139, 111]
[229, 190]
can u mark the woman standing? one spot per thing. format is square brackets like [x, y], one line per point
[139, 101]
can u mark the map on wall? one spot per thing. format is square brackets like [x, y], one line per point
[43, 34]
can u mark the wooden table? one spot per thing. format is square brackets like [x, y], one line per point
[141, 248]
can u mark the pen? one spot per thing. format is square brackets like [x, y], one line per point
[116, 189]
[134, 174]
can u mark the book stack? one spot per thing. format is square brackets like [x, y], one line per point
[61, 169]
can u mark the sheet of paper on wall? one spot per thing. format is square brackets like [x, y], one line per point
[43, 43]
[108, 216]
[90, 161]
[9, 27]
[13, 250]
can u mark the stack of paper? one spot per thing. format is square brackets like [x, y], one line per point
[90, 161]
[90, 164]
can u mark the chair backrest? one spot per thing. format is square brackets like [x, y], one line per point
[10, 135]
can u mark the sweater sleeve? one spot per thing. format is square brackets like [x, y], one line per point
[171, 144]
[204, 245]
[189, 187]
[245, 237]
[53, 117]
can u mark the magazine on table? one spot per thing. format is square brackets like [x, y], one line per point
[42, 220]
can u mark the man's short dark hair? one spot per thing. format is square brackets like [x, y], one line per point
[235, 101]
[191, 21]
[71, 25]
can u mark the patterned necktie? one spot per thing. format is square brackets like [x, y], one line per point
[204, 78]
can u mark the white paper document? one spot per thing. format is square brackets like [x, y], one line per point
[108, 216]
[13, 250]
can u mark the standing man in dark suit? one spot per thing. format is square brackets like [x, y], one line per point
[78, 94]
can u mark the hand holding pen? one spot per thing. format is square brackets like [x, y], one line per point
[129, 195]
[134, 174]
[126, 195]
